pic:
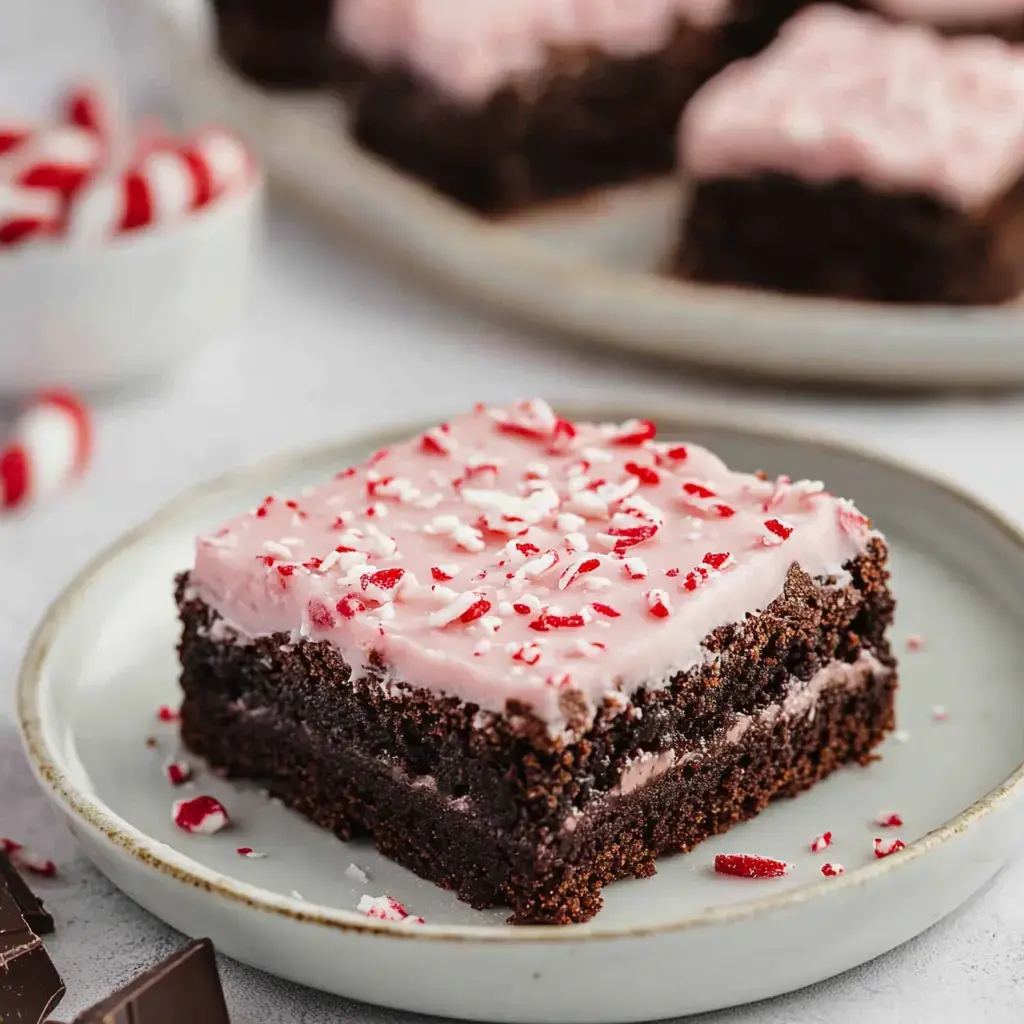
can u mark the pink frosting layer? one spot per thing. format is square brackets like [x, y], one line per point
[951, 12]
[471, 49]
[513, 555]
[841, 94]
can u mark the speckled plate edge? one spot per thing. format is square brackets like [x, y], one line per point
[85, 808]
[490, 263]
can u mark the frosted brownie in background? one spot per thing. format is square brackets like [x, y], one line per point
[501, 104]
[860, 158]
[1003, 18]
[528, 656]
[278, 44]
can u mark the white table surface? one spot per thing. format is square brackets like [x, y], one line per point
[334, 342]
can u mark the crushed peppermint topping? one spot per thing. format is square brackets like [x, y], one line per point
[750, 865]
[25, 859]
[889, 819]
[832, 870]
[513, 549]
[202, 815]
[822, 842]
[178, 772]
[887, 847]
[386, 908]
[658, 604]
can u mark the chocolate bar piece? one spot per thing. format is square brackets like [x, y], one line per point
[183, 988]
[36, 916]
[30, 986]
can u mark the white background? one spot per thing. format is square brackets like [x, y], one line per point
[334, 342]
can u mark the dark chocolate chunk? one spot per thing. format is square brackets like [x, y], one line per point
[183, 989]
[30, 987]
[31, 906]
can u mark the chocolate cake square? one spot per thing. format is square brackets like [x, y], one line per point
[499, 105]
[527, 657]
[861, 159]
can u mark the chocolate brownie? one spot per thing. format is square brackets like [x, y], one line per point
[860, 159]
[513, 104]
[528, 657]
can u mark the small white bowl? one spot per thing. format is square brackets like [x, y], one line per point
[94, 316]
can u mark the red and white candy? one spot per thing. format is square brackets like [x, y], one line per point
[386, 908]
[27, 213]
[201, 815]
[106, 183]
[59, 159]
[51, 445]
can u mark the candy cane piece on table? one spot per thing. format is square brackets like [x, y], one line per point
[51, 444]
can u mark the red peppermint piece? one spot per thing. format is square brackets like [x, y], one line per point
[435, 442]
[658, 604]
[645, 474]
[383, 583]
[606, 610]
[580, 568]
[475, 611]
[832, 870]
[522, 609]
[441, 573]
[167, 714]
[695, 579]
[248, 851]
[696, 490]
[889, 820]
[178, 772]
[202, 815]
[350, 606]
[386, 908]
[822, 842]
[320, 615]
[633, 433]
[630, 536]
[718, 559]
[887, 847]
[546, 621]
[26, 860]
[749, 865]
[528, 654]
[286, 569]
[777, 528]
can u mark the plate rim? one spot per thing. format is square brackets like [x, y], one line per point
[85, 808]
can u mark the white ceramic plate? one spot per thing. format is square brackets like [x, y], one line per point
[588, 269]
[684, 941]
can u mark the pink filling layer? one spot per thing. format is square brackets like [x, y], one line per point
[841, 94]
[470, 49]
[951, 12]
[800, 702]
[512, 555]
